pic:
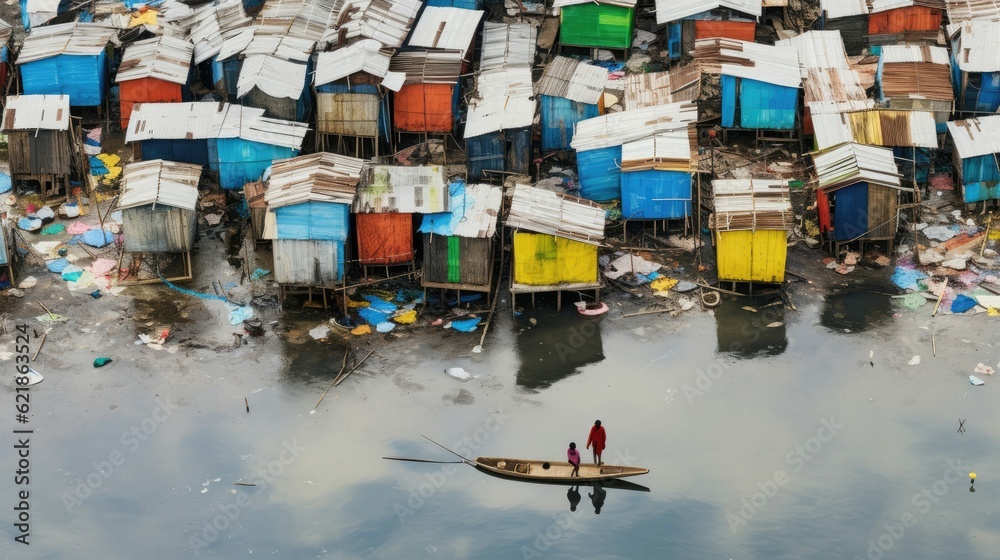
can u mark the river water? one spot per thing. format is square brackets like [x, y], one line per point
[774, 434]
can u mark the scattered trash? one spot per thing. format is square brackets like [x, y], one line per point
[906, 278]
[750, 309]
[630, 264]
[320, 332]
[72, 273]
[684, 286]
[913, 300]
[53, 229]
[962, 303]
[976, 381]
[98, 238]
[50, 318]
[78, 227]
[774, 324]
[101, 362]
[385, 326]
[914, 361]
[458, 373]
[406, 318]
[984, 369]
[361, 329]
[259, 274]
[663, 284]
[34, 378]
[254, 327]
[465, 325]
[27, 283]
[939, 233]
[239, 314]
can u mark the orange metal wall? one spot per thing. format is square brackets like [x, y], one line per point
[385, 238]
[423, 108]
[146, 90]
[741, 30]
[913, 18]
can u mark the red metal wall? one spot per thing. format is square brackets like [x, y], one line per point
[740, 30]
[823, 211]
[913, 18]
[385, 238]
[146, 90]
[423, 108]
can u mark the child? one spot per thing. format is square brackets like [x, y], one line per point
[574, 459]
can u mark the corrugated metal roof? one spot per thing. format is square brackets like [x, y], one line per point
[574, 80]
[36, 112]
[818, 49]
[668, 151]
[211, 25]
[428, 67]
[388, 22]
[502, 101]
[892, 54]
[778, 65]
[164, 58]
[615, 129]
[446, 28]
[506, 45]
[682, 83]
[752, 204]
[916, 72]
[976, 137]
[622, 3]
[967, 10]
[202, 120]
[75, 39]
[835, 90]
[363, 56]
[977, 45]
[674, 10]
[255, 41]
[843, 8]
[408, 190]
[322, 177]
[545, 211]
[479, 220]
[878, 127]
[847, 164]
[271, 75]
[5, 31]
[160, 182]
[886, 5]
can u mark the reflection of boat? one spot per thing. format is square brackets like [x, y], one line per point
[553, 471]
[592, 309]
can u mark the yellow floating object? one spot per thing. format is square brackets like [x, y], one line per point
[993, 312]
[972, 475]
[662, 284]
[355, 304]
[361, 329]
[406, 318]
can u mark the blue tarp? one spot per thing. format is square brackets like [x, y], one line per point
[227, 71]
[239, 161]
[98, 237]
[57, 265]
[656, 195]
[559, 118]
[5, 183]
[82, 78]
[907, 278]
[962, 303]
[321, 221]
[600, 173]
[444, 223]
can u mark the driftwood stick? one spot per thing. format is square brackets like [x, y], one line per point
[342, 366]
[350, 371]
[646, 312]
[730, 292]
[944, 289]
[40, 343]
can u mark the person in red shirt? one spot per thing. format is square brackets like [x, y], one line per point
[598, 438]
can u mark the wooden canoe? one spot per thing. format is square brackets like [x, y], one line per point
[552, 470]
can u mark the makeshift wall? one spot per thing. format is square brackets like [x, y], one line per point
[82, 78]
[751, 256]
[507, 150]
[424, 108]
[158, 229]
[43, 152]
[740, 30]
[322, 221]
[239, 161]
[864, 212]
[980, 177]
[599, 172]
[385, 239]
[559, 118]
[462, 261]
[308, 262]
[761, 105]
[656, 195]
[146, 90]
[902, 20]
[979, 92]
[226, 77]
[348, 114]
[464, 4]
[596, 25]
[181, 151]
[853, 30]
[547, 260]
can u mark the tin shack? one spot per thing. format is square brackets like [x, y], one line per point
[67, 59]
[686, 22]
[751, 220]
[570, 91]
[977, 147]
[607, 25]
[428, 101]
[154, 71]
[656, 181]
[905, 21]
[850, 17]
[916, 77]
[39, 142]
[975, 65]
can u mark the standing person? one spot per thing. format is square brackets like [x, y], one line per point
[574, 497]
[573, 456]
[598, 438]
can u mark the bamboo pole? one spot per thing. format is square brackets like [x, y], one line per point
[323, 396]
[350, 371]
[40, 343]
[653, 312]
[940, 297]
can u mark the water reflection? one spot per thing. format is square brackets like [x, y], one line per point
[855, 311]
[314, 361]
[557, 347]
[747, 333]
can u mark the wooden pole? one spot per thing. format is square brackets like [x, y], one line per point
[350, 371]
[40, 343]
[342, 366]
[940, 297]
[653, 312]
[989, 223]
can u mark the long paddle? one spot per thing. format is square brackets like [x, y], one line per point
[466, 459]
[421, 460]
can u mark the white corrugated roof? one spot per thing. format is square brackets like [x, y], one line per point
[878, 127]
[818, 49]
[545, 211]
[976, 137]
[572, 79]
[430, 66]
[967, 10]
[271, 75]
[203, 120]
[977, 46]
[322, 177]
[504, 102]
[388, 22]
[886, 5]
[446, 28]
[211, 25]
[480, 220]
[829, 90]
[892, 54]
[843, 8]
[674, 10]
[674, 146]
[76, 39]
[778, 65]
[160, 182]
[622, 3]
[36, 112]
[363, 56]
[507, 45]
[164, 58]
[615, 129]
[847, 164]
[407, 190]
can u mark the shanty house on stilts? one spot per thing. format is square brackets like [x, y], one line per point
[656, 182]
[555, 242]
[570, 91]
[916, 78]
[751, 220]
[686, 22]
[977, 149]
[273, 71]
[67, 59]
[154, 71]
[604, 25]
[976, 66]
[158, 203]
[427, 103]
[39, 141]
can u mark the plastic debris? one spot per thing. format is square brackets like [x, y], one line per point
[373, 317]
[101, 362]
[907, 278]
[354, 304]
[976, 381]
[630, 264]
[71, 273]
[458, 373]
[406, 318]
[663, 284]
[45, 213]
[259, 274]
[361, 329]
[57, 265]
[53, 229]
[320, 332]
[6, 185]
[239, 314]
[30, 223]
[27, 282]
[914, 361]
[78, 227]
[98, 238]
[939, 233]
[34, 378]
[465, 325]
[385, 326]
[913, 300]
[962, 303]
[984, 369]
[51, 318]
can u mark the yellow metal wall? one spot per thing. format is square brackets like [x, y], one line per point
[751, 256]
[544, 260]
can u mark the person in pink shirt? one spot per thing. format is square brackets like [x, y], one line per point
[573, 456]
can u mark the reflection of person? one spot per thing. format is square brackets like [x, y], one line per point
[574, 497]
[597, 498]
[573, 456]
[598, 438]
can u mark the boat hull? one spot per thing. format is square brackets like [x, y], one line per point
[526, 469]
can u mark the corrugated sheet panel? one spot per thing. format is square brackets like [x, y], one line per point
[211, 25]
[165, 58]
[39, 152]
[671, 10]
[850, 218]
[751, 256]
[308, 262]
[423, 108]
[559, 119]
[682, 83]
[835, 90]
[321, 177]
[572, 79]
[739, 30]
[507, 45]
[34, 112]
[967, 10]
[656, 195]
[385, 239]
[388, 22]
[363, 56]
[349, 114]
[408, 190]
[836, 9]
[240, 161]
[668, 151]
[599, 172]
[322, 221]
[976, 137]
[879, 127]
[886, 5]
[545, 211]
[901, 20]
[427, 66]
[767, 106]
[160, 182]
[848, 164]
[980, 177]
[446, 28]
[484, 153]
[457, 260]
[203, 120]
[773, 64]
[159, 229]
[596, 25]
[751, 204]
[547, 260]
[145, 90]
[473, 212]
[615, 129]
[890, 54]
[502, 101]
[976, 45]
[82, 78]
[183, 151]
[818, 49]
[273, 76]
[71, 39]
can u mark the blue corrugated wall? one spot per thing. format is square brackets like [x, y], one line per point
[904, 162]
[83, 78]
[484, 152]
[559, 118]
[728, 101]
[850, 219]
[656, 195]
[768, 106]
[318, 221]
[982, 92]
[228, 71]
[980, 178]
[464, 4]
[183, 151]
[519, 157]
[239, 161]
[600, 173]
[674, 40]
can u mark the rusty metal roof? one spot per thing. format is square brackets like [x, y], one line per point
[164, 58]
